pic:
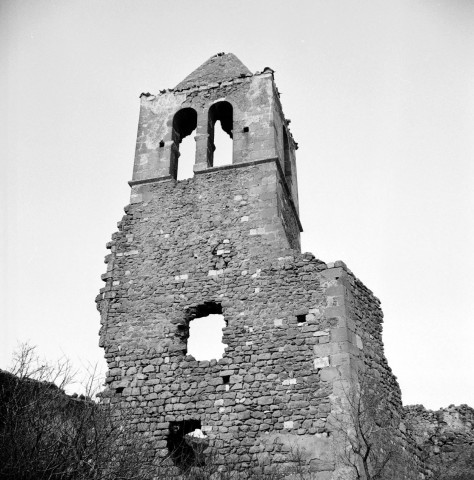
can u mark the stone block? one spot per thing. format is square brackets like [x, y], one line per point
[321, 362]
[329, 374]
[320, 333]
[340, 335]
[332, 348]
[324, 475]
[242, 416]
[344, 363]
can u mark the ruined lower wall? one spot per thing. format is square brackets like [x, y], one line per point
[446, 438]
[298, 330]
[363, 380]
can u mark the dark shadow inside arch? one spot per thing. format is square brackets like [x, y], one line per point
[286, 156]
[183, 153]
[219, 146]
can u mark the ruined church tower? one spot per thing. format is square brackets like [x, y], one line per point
[227, 241]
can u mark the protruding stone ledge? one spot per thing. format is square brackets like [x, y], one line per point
[164, 178]
[234, 165]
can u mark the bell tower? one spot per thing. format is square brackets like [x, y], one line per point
[227, 242]
[250, 112]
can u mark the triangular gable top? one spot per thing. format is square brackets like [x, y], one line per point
[219, 68]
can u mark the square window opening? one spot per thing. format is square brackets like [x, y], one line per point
[202, 333]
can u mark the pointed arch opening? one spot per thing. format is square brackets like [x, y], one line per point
[183, 153]
[286, 156]
[220, 126]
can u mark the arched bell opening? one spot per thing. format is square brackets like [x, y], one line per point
[220, 126]
[183, 153]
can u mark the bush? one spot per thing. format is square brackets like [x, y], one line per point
[46, 434]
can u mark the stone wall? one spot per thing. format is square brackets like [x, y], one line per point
[251, 99]
[301, 335]
[210, 239]
[296, 327]
[446, 438]
[361, 378]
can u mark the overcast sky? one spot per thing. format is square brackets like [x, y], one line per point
[381, 98]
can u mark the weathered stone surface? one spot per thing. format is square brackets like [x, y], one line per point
[227, 241]
[219, 68]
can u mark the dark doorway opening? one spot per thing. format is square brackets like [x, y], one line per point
[181, 451]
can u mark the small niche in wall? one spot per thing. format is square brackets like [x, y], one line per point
[301, 318]
[226, 379]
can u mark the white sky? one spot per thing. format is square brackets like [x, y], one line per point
[210, 346]
[381, 97]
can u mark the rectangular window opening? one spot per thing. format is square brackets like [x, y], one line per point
[301, 318]
[226, 379]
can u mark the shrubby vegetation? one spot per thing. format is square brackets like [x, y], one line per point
[459, 465]
[46, 434]
[368, 432]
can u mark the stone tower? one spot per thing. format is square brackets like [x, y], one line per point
[227, 241]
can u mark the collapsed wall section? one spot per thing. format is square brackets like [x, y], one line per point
[366, 396]
[445, 438]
